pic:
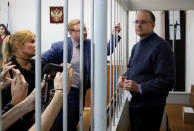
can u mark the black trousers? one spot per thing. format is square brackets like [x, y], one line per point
[72, 111]
[146, 119]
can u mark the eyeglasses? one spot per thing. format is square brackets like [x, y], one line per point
[141, 22]
[85, 30]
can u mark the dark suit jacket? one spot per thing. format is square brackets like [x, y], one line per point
[55, 55]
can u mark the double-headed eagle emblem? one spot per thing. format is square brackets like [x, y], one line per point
[56, 14]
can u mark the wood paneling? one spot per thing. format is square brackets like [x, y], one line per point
[88, 95]
[192, 95]
[175, 120]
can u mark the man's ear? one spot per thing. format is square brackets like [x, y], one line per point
[70, 32]
[153, 24]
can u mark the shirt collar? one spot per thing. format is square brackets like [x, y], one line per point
[147, 37]
[75, 44]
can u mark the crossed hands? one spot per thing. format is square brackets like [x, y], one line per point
[127, 84]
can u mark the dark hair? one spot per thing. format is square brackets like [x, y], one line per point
[6, 31]
[151, 14]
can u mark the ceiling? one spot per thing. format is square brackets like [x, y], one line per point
[158, 4]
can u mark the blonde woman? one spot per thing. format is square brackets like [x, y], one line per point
[18, 49]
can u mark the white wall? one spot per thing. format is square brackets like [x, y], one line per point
[22, 16]
[189, 49]
[3, 11]
[54, 32]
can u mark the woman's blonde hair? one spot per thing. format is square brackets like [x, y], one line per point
[9, 43]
